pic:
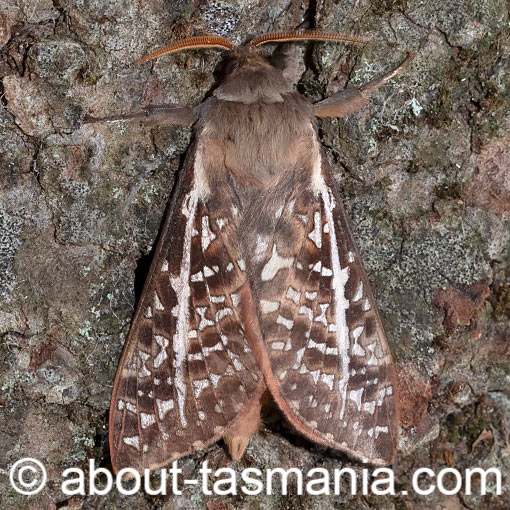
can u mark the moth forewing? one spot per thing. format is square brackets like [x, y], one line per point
[187, 373]
[330, 369]
[256, 283]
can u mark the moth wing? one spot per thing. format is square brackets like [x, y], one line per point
[331, 370]
[187, 371]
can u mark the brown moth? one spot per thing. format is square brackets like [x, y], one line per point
[256, 285]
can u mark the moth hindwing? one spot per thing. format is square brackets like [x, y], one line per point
[256, 286]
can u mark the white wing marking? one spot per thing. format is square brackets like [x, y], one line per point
[180, 284]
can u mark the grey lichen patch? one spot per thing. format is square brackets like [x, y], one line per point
[453, 251]
[16, 150]
[15, 361]
[78, 198]
[221, 17]
[97, 334]
[59, 62]
[407, 261]
[184, 79]
[462, 22]
[179, 11]
[10, 229]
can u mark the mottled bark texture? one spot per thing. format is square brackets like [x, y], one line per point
[425, 175]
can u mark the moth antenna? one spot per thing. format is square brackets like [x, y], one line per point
[304, 35]
[189, 43]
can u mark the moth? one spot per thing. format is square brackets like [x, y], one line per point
[256, 285]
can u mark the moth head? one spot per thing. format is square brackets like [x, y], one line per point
[243, 75]
[247, 76]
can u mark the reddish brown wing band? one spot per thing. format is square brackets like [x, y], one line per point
[187, 371]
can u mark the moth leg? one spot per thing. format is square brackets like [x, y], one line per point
[239, 435]
[352, 99]
[153, 115]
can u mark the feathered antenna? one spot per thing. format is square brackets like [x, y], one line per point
[189, 43]
[304, 35]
